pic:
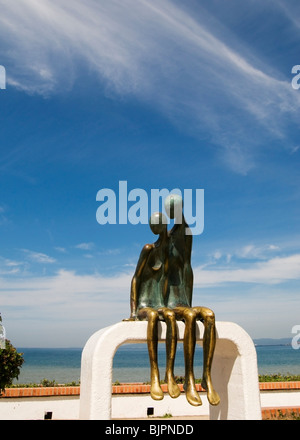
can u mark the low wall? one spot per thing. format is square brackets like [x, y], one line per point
[234, 368]
[133, 401]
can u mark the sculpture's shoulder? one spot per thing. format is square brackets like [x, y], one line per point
[144, 255]
[147, 248]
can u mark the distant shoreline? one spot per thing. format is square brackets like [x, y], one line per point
[132, 360]
[257, 342]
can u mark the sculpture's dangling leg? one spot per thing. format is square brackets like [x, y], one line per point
[209, 342]
[189, 343]
[152, 341]
[171, 344]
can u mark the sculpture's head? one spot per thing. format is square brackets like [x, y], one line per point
[158, 223]
[174, 205]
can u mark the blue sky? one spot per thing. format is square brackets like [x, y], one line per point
[161, 94]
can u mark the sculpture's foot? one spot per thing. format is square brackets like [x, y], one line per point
[173, 388]
[212, 395]
[156, 392]
[192, 395]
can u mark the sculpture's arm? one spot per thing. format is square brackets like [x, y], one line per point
[188, 271]
[189, 282]
[166, 273]
[134, 291]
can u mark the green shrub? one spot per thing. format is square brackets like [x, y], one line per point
[278, 377]
[48, 383]
[10, 363]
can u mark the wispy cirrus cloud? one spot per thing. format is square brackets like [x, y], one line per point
[276, 270]
[38, 257]
[67, 298]
[68, 287]
[65, 305]
[67, 293]
[249, 252]
[85, 246]
[157, 51]
[10, 267]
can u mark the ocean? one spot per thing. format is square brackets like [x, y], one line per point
[131, 363]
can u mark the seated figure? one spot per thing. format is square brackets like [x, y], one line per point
[147, 302]
[179, 299]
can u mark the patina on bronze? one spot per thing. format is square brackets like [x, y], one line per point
[179, 299]
[148, 299]
[161, 289]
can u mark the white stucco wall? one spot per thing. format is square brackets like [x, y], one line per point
[127, 406]
[234, 369]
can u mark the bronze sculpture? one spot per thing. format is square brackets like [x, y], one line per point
[179, 299]
[147, 302]
[161, 289]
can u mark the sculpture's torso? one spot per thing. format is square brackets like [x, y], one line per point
[180, 277]
[151, 286]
